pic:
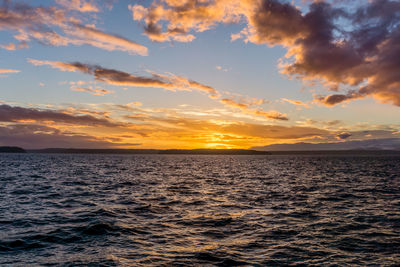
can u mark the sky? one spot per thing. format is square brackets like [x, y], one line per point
[198, 73]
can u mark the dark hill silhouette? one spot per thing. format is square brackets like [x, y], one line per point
[11, 149]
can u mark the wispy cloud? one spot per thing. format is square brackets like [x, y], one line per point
[220, 68]
[169, 82]
[79, 5]
[138, 104]
[115, 77]
[59, 65]
[5, 71]
[106, 41]
[12, 46]
[55, 26]
[296, 102]
[246, 109]
[94, 91]
[20, 114]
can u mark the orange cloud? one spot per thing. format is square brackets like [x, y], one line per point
[138, 104]
[12, 46]
[362, 57]
[296, 102]
[168, 82]
[3, 71]
[79, 5]
[115, 77]
[93, 91]
[95, 37]
[183, 17]
[58, 65]
[246, 109]
[54, 26]
[146, 128]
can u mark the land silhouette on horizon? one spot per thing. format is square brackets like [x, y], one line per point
[152, 151]
[11, 149]
[200, 151]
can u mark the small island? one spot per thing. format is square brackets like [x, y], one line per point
[11, 149]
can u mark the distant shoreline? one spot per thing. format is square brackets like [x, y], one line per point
[194, 151]
[152, 151]
[11, 149]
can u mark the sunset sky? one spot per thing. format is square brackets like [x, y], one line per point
[198, 74]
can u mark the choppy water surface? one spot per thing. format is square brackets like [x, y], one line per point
[141, 210]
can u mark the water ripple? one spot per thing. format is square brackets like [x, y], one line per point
[165, 210]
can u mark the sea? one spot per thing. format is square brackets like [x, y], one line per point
[199, 210]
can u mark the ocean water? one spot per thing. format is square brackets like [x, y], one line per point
[199, 210]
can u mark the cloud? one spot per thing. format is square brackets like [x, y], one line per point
[343, 135]
[335, 99]
[235, 128]
[183, 17]
[4, 71]
[364, 58]
[9, 46]
[32, 136]
[324, 124]
[12, 46]
[21, 114]
[273, 22]
[220, 68]
[94, 91]
[155, 128]
[110, 42]
[54, 26]
[79, 5]
[356, 48]
[296, 102]
[246, 109]
[161, 133]
[138, 104]
[115, 77]
[60, 65]
[169, 82]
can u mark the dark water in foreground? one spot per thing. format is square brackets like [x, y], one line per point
[141, 210]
